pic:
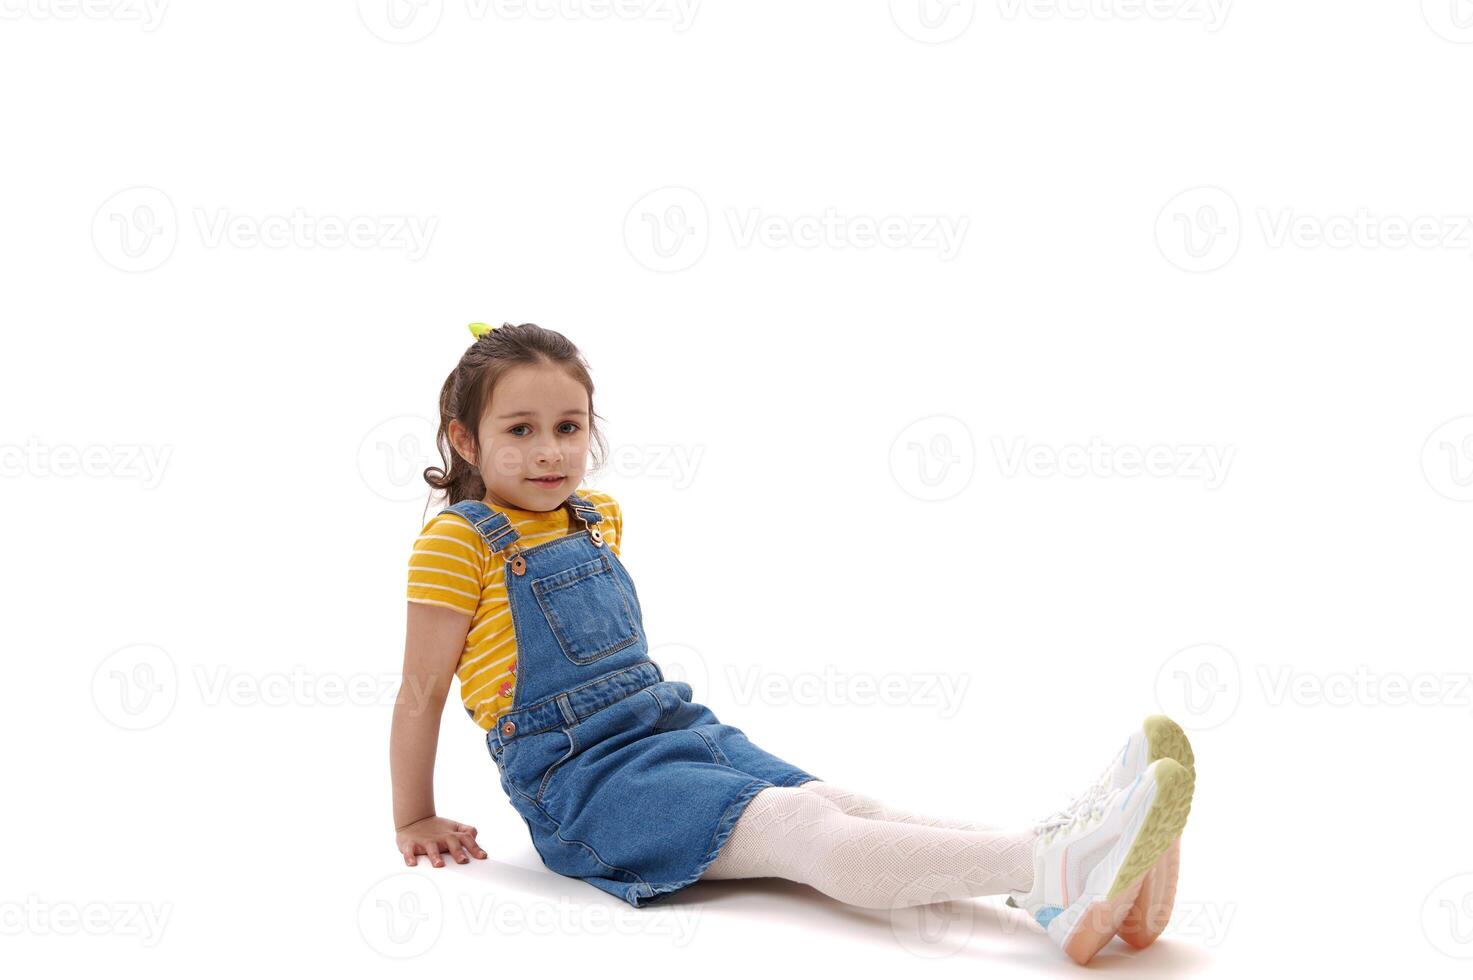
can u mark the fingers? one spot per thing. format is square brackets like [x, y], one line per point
[469, 842]
[467, 834]
[461, 846]
[430, 849]
[456, 847]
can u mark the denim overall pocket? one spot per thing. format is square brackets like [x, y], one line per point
[588, 610]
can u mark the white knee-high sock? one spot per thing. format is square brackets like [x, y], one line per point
[859, 805]
[791, 832]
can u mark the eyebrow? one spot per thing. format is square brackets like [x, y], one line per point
[517, 415]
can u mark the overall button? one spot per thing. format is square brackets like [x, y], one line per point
[506, 689]
[508, 728]
[519, 565]
[598, 539]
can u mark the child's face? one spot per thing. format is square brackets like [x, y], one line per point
[536, 425]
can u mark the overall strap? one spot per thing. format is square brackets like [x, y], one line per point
[497, 528]
[582, 508]
[493, 525]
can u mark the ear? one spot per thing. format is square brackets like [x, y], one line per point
[463, 442]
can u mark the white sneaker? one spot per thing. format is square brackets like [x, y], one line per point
[1089, 865]
[1158, 738]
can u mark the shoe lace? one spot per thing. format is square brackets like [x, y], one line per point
[1085, 812]
[1098, 792]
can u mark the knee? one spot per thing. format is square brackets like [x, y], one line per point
[815, 801]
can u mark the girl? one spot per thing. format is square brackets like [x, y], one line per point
[628, 783]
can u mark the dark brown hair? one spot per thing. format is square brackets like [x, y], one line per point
[467, 392]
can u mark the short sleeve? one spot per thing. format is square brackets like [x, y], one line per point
[616, 518]
[611, 528]
[446, 565]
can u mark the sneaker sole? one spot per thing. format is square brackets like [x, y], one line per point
[1166, 740]
[1148, 917]
[1101, 918]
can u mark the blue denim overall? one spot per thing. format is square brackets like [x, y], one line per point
[622, 778]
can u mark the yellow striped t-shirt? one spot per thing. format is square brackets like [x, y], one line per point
[451, 566]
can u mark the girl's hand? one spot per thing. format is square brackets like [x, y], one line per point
[435, 834]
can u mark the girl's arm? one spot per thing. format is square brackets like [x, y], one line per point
[434, 638]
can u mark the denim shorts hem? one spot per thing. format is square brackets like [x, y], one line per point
[641, 895]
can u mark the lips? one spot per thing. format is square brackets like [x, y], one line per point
[547, 481]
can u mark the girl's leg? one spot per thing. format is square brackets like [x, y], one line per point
[857, 805]
[794, 833]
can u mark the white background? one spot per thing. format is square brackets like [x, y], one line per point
[1185, 228]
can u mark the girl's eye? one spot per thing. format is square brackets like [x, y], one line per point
[523, 425]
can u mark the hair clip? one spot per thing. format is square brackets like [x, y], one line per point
[479, 330]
